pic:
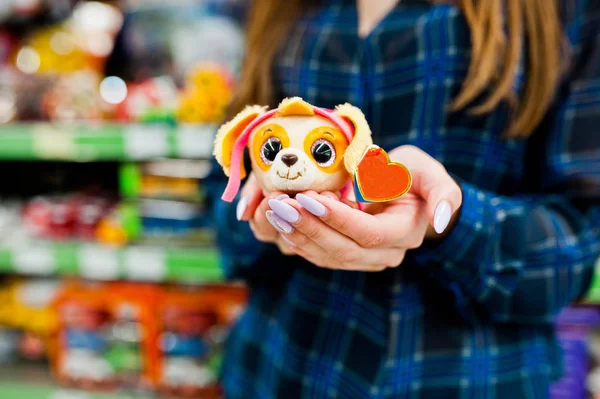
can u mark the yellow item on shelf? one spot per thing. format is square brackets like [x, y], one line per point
[40, 319]
[207, 94]
[110, 232]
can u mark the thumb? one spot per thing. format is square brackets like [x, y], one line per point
[442, 196]
[431, 182]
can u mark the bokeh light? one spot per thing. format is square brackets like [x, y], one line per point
[113, 90]
[62, 43]
[96, 16]
[28, 60]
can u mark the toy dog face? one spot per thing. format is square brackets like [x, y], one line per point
[296, 147]
[298, 153]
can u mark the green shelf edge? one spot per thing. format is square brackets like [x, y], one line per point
[10, 390]
[89, 142]
[178, 265]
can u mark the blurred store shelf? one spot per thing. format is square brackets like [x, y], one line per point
[35, 382]
[96, 262]
[86, 142]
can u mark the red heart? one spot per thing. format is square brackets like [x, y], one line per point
[380, 180]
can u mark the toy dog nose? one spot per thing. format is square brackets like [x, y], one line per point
[289, 159]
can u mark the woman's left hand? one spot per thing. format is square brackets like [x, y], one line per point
[334, 234]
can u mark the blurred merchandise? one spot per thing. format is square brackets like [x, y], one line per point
[579, 335]
[107, 336]
[8, 41]
[120, 226]
[86, 86]
[175, 218]
[17, 12]
[142, 337]
[82, 41]
[165, 179]
[27, 305]
[152, 100]
[170, 38]
[65, 217]
[194, 324]
[208, 90]
[82, 340]
[9, 345]
[75, 97]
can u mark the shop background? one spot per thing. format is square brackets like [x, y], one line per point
[110, 285]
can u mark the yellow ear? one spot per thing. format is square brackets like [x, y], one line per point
[362, 135]
[295, 106]
[229, 133]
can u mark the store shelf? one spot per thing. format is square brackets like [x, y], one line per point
[86, 142]
[26, 391]
[91, 261]
[35, 382]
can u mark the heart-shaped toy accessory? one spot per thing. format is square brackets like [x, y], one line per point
[377, 179]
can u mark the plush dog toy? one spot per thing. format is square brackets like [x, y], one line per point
[299, 147]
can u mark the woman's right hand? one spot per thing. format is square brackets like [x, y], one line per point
[253, 207]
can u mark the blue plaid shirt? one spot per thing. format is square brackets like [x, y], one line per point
[470, 316]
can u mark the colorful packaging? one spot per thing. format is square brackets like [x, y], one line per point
[65, 217]
[107, 337]
[194, 324]
[132, 335]
[82, 340]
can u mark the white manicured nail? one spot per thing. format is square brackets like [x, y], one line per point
[241, 208]
[442, 216]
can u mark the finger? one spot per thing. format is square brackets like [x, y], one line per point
[331, 247]
[336, 196]
[309, 250]
[431, 182]
[263, 229]
[311, 234]
[262, 234]
[367, 230]
[261, 221]
[285, 246]
[331, 195]
[366, 260]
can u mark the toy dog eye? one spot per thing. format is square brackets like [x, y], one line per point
[270, 149]
[323, 152]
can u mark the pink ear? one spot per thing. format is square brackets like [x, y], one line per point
[233, 185]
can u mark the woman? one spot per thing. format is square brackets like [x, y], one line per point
[451, 291]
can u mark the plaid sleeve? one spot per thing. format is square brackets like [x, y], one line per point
[525, 258]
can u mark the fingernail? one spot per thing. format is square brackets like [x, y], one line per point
[291, 244]
[280, 225]
[284, 211]
[282, 197]
[241, 208]
[311, 205]
[442, 216]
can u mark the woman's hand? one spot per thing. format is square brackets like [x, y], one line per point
[335, 235]
[253, 207]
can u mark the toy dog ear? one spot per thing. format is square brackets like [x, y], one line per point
[362, 136]
[229, 133]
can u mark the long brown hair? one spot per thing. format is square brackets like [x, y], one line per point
[495, 55]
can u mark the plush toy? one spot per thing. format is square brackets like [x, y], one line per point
[299, 147]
